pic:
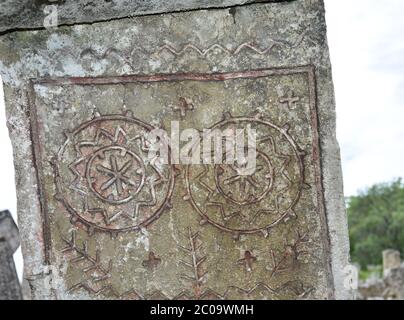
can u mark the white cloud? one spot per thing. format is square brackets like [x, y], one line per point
[368, 68]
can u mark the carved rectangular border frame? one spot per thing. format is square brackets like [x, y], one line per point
[309, 70]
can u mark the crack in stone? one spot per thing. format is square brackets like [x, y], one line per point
[232, 7]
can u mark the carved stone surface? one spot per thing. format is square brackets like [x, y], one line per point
[391, 260]
[113, 224]
[9, 243]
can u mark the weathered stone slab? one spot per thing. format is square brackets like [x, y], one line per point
[9, 243]
[28, 14]
[80, 102]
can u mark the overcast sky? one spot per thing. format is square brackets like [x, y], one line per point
[366, 39]
[367, 53]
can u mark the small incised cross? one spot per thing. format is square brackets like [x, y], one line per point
[183, 107]
[152, 262]
[289, 99]
[247, 261]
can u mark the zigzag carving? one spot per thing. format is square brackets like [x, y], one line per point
[113, 52]
[106, 54]
[296, 287]
[110, 292]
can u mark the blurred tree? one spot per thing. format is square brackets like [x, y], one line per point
[376, 222]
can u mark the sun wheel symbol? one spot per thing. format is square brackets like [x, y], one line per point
[235, 201]
[109, 184]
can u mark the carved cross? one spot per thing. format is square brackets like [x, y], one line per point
[183, 107]
[152, 262]
[247, 261]
[289, 99]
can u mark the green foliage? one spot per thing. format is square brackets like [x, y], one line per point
[375, 271]
[376, 222]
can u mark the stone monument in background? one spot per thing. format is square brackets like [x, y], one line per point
[84, 85]
[391, 260]
[388, 287]
[9, 243]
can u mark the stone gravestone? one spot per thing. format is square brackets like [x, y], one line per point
[391, 286]
[100, 220]
[391, 260]
[9, 243]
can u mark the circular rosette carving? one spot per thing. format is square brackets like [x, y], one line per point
[233, 201]
[105, 179]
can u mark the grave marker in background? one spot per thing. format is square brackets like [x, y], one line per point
[9, 243]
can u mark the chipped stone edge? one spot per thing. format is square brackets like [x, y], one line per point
[333, 182]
